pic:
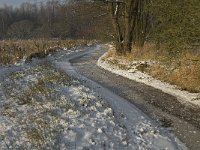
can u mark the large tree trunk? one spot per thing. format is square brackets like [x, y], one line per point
[142, 24]
[130, 24]
[114, 8]
[131, 12]
[127, 34]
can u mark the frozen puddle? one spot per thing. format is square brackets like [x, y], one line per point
[43, 108]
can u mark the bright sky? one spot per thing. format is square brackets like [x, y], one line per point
[15, 2]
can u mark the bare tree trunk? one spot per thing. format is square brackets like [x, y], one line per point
[130, 23]
[131, 12]
[3, 24]
[114, 8]
[142, 24]
[127, 21]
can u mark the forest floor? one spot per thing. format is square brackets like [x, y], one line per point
[47, 104]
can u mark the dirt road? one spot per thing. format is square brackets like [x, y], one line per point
[182, 120]
[107, 111]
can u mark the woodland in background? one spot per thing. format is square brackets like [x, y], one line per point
[174, 24]
[166, 33]
[170, 25]
[56, 19]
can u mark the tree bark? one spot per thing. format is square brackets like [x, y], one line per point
[117, 27]
[130, 23]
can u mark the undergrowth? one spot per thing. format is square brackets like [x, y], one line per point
[12, 51]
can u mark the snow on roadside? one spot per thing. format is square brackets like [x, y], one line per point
[183, 96]
[44, 109]
[141, 132]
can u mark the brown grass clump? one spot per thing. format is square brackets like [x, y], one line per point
[182, 72]
[14, 50]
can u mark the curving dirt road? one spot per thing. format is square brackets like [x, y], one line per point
[117, 113]
[182, 120]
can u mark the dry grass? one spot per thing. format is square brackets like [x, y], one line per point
[13, 50]
[182, 69]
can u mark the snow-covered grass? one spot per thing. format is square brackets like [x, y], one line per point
[46, 109]
[132, 72]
